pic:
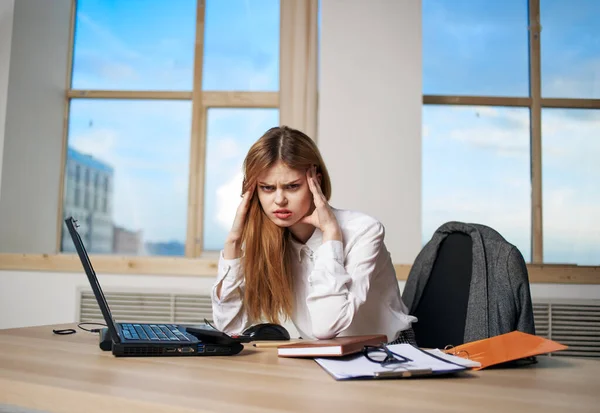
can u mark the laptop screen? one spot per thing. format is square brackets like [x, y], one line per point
[91, 274]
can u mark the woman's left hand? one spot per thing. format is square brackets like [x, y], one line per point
[322, 217]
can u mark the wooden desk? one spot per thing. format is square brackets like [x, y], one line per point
[40, 370]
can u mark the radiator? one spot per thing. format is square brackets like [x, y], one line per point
[147, 307]
[575, 323]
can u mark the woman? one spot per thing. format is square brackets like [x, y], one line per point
[289, 253]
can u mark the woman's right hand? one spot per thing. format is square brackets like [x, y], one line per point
[233, 247]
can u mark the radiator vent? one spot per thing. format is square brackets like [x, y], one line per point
[574, 323]
[148, 307]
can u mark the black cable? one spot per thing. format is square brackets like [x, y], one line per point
[91, 330]
[64, 332]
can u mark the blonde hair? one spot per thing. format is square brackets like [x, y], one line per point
[269, 283]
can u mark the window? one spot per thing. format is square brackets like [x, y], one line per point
[475, 47]
[570, 148]
[510, 121]
[160, 118]
[476, 169]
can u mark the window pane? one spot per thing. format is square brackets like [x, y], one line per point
[134, 45]
[570, 48]
[241, 45]
[571, 194]
[475, 47]
[126, 177]
[230, 134]
[476, 170]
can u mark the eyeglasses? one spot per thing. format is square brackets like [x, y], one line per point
[384, 356]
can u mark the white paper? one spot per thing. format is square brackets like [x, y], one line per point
[359, 366]
[454, 359]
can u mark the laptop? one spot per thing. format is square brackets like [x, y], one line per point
[144, 339]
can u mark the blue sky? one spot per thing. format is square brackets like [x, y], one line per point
[475, 159]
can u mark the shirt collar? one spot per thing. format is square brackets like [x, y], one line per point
[313, 243]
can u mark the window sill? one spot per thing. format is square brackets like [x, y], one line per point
[206, 266]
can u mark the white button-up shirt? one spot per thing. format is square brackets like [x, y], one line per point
[340, 288]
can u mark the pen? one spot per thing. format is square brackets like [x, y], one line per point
[402, 373]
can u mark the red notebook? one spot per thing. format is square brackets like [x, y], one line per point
[339, 346]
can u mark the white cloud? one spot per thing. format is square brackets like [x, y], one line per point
[117, 71]
[581, 80]
[228, 200]
[490, 209]
[226, 148]
[570, 139]
[236, 74]
[107, 38]
[571, 215]
[502, 131]
[100, 143]
[92, 65]
[502, 142]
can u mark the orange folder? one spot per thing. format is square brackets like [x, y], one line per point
[505, 347]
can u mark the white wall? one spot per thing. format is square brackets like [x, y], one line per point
[370, 113]
[33, 136]
[6, 25]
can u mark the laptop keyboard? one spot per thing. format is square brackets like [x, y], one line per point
[154, 332]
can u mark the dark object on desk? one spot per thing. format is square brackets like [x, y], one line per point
[266, 331]
[472, 274]
[141, 339]
[105, 340]
[207, 334]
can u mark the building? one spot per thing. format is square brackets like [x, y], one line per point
[126, 242]
[88, 198]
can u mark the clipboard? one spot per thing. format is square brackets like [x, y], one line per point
[503, 348]
[421, 364]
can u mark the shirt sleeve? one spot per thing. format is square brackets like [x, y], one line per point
[338, 289]
[229, 314]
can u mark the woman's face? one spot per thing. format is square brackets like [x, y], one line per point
[284, 194]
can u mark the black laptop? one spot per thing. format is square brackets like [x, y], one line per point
[143, 339]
